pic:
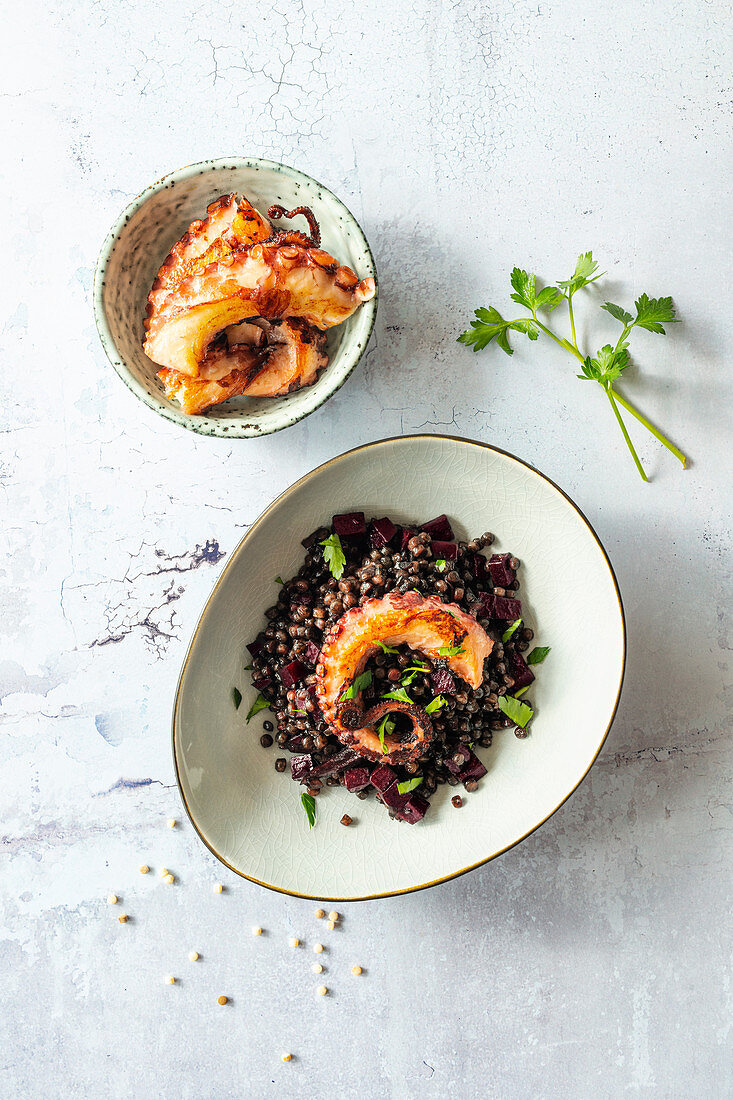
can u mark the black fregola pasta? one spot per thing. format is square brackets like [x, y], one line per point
[346, 565]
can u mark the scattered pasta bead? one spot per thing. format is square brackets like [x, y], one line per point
[256, 931]
[287, 1057]
[320, 913]
[330, 925]
[144, 869]
[294, 941]
[356, 970]
[318, 948]
[112, 899]
[317, 968]
[218, 888]
[170, 980]
[333, 916]
[172, 823]
[322, 990]
[222, 1000]
[193, 956]
[163, 872]
[123, 918]
[169, 879]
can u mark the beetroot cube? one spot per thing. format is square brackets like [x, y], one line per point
[414, 809]
[292, 674]
[382, 777]
[500, 571]
[392, 797]
[439, 528]
[312, 654]
[473, 770]
[454, 766]
[261, 682]
[349, 524]
[296, 743]
[478, 566]
[519, 670]
[301, 768]
[255, 647]
[446, 550]
[484, 609]
[506, 608]
[443, 682]
[356, 779]
[407, 533]
[335, 764]
[381, 532]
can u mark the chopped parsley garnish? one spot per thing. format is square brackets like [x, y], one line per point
[309, 805]
[510, 630]
[385, 729]
[334, 556]
[538, 654]
[516, 711]
[259, 704]
[400, 695]
[387, 648]
[409, 785]
[435, 704]
[248, 668]
[358, 685]
[450, 650]
[279, 580]
[441, 565]
[236, 697]
[521, 691]
[411, 672]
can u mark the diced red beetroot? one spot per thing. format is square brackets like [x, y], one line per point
[381, 532]
[382, 777]
[500, 571]
[312, 654]
[484, 609]
[292, 674]
[454, 766]
[356, 779]
[478, 566]
[506, 608]
[301, 768]
[261, 682]
[439, 528]
[349, 524]
[255, 647]
[414, 809]
[392, 797]
[519, 670]
[302, 598]
[296, 743]
[473, 770]
[407, 533]
[335, 764]
[446, 550]
[443, 682]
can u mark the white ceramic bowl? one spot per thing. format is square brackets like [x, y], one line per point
[251, 817]
[143, 235]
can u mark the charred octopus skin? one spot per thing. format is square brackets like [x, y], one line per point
[441, 631]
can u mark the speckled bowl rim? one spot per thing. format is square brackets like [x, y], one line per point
[202, 425]
[238, 549]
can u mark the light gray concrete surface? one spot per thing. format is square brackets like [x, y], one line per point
[592, 960]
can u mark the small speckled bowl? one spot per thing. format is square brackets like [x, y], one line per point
[143, 235]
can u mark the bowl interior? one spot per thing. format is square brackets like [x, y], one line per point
[251, 816]
[136, 249]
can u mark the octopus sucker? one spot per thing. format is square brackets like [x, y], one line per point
[425, 624]
[230, 273]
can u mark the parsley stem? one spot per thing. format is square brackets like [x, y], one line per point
[572, 317]
[563, 343]
[650, 427]
[629, 444]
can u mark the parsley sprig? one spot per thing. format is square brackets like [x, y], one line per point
[333, 555]
[608, 364]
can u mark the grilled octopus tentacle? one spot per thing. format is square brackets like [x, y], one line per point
[277, 211]
[351, 715]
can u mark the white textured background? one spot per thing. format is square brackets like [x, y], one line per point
[593, 959]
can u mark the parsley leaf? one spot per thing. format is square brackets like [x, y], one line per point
[510, 630]
[309, 805]
[236, 697]
[650, 312]
[356, 686]
[400, 695]
[259, 704]
[521, 691]
[385, 729]
[334, 556]
[279, 580]
[387, 648]
[607, 366]
[441, 565]
[450, 650]
[435, 704]
[409, 785]
[538, 654]
[248, 668]
[517, 712]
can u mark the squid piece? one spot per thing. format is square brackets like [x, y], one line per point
[230, 223]
[440, 631]
[280, 278]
